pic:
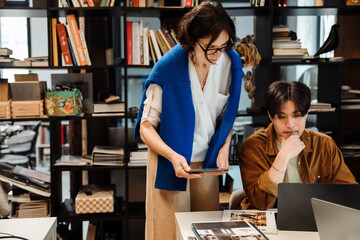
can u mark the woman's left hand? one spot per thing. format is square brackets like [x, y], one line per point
[222, 161]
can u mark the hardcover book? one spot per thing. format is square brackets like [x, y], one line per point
[227, 230]
[60, 27]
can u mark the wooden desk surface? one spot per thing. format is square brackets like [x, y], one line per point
[184, 220]
[30, 228]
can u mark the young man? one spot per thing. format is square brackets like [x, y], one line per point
[285, 151]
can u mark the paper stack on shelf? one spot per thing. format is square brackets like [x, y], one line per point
[22, 206]
[287, 47]
[107, 155]
[321, 107]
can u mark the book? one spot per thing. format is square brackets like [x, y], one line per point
[64, 43]
[55, 52]
[90, 3]
[77, 40]
[286, 44]
[146, 45]
[129, 42]
[114, 107]
[264, 220]
[161, 42]
[227, 230]
[155, 44]
[72, 46]
[290, 51]
[29, 173]
[86, 51]
[136, 42]
[321, 107]
[151, 47]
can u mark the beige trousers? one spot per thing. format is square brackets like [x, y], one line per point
[200, 195]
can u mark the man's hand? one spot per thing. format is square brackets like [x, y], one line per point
[181, 167]
[292, 146]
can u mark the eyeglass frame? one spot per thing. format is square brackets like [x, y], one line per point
[223, 49]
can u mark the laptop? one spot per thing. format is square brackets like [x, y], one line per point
[294, 202]
[335, 221]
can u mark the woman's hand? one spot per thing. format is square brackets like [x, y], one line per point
[181, 167]
[222, 161]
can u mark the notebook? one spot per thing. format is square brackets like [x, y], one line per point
[335, 221]
[294, 202]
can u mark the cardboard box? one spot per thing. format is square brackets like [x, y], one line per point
[101, 200]
[63, 103]
[5, 112]
[20, 109]
[28, 91]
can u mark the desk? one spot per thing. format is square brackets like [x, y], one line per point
[30, 228]
[184, 220]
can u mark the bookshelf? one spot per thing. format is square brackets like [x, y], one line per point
[105, 28]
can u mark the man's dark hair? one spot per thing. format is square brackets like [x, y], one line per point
[208, 19]
[279, 92]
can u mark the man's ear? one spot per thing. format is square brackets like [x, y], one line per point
[270, 116]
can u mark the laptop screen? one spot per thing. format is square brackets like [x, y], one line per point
[335, 221]
[294, 202]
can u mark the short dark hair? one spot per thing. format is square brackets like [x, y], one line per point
[207, 19]
[279, 92]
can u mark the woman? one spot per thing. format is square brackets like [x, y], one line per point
[186, 117]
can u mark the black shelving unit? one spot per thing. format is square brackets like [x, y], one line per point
[105, 27]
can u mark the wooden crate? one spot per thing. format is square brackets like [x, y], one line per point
[21, 109]
[5, 112]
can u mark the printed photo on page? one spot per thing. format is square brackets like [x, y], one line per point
[264, 220]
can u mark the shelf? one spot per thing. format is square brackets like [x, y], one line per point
[86, 167]
[316, 11]
[87, 12]
[66, 67]
[22, 12]
[313, 62]
[67, 213]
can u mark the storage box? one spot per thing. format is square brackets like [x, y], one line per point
[100, 200]
[28, 90]
[20, 109]
[5, 112]
[5, 93]
[63, 103]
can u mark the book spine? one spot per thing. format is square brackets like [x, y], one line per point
[75, 3]
[136, 42]
[90, 3]
[64, 43]
[166, 39]
[55, 56]
[151, 46]
[83, 41]
[141, 36]
[174, 36]
[72, 46]
[76, 37]
[129, 42]
[155, 44]
[168, 34]
[146, 46]
[161, 42]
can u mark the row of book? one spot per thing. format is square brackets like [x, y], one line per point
[77, 3]
[286, 45]
[143, 42]
[72, 42]
[6, 60]
[258, 3]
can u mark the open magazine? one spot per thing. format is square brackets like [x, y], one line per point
[263, 220]
[235, 230]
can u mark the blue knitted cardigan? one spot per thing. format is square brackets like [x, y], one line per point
[177, 121]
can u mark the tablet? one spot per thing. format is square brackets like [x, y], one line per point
[202, 170]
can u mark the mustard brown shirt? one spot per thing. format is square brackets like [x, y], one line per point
[321, 161]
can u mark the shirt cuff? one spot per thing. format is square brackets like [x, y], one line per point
[267, 185]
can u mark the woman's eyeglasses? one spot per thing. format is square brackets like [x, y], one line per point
[212, 51]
